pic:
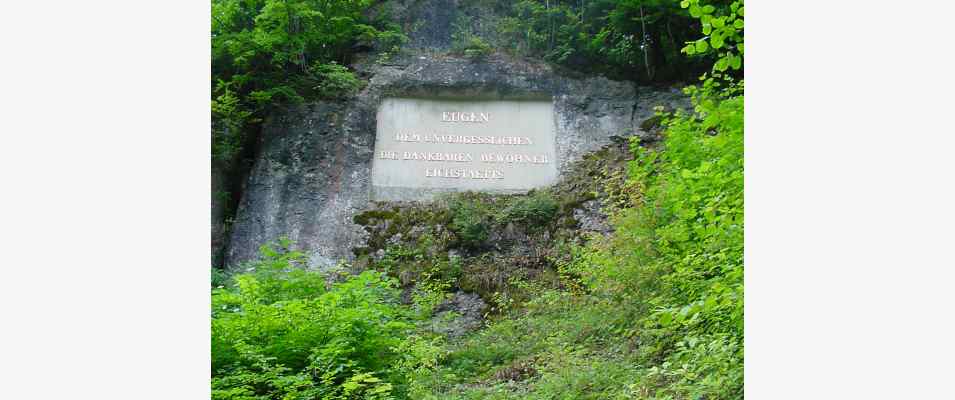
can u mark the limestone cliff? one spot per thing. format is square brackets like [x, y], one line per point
[312, 175]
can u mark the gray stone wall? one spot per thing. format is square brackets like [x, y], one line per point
[314, 170]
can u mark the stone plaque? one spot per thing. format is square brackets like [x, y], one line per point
[428, 146]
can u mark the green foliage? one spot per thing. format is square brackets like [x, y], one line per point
[218, 278]
[335, 80]
[279, 334]
[560, 346]
[536, 208]
[229, 121]
[419, 357]
[723, 38]
[630, 39]
[465, 42]
[472, 217]
[434, 280]
[474, 48]
[681, 249]
[723, 30]
[469, 223]
[280, 274]
[655, 309]
[269, 52]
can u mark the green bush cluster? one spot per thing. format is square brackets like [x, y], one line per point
[537, 207]
[690, 260]
[464, 41]
[472, 216]
[279, 333]
[470, 223]
[335, 81]
[472, 47]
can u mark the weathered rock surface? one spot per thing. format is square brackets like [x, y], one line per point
[462, 313]
[313, 173]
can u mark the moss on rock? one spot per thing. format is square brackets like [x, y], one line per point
[500, 247]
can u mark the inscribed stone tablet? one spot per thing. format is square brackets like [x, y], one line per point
[424, 147]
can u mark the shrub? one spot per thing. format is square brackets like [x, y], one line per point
[218, 278]
[476, 48]
[229, 119]
[538, 207]
[469, 224]
[681, 249]
[280, 334]
[335, 81]
[468, 44]
[281, 273]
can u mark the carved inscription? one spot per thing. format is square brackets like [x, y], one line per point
[465, 145]
[442, 138]
[461, 173]
[458, 116]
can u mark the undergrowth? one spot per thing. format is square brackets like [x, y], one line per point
[658, 310]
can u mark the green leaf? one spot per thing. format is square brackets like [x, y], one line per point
[690, 49]
[735, 62]
[717, 22]
[720, 64]
[701, 46]
[684, 312]
[707, 28]
[684, 3]
[695, 11]
[708, 9]
[716, 40]
[665, 318]
[738, 24]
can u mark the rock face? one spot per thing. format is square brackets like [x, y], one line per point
[313, 174]
[462, 313]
